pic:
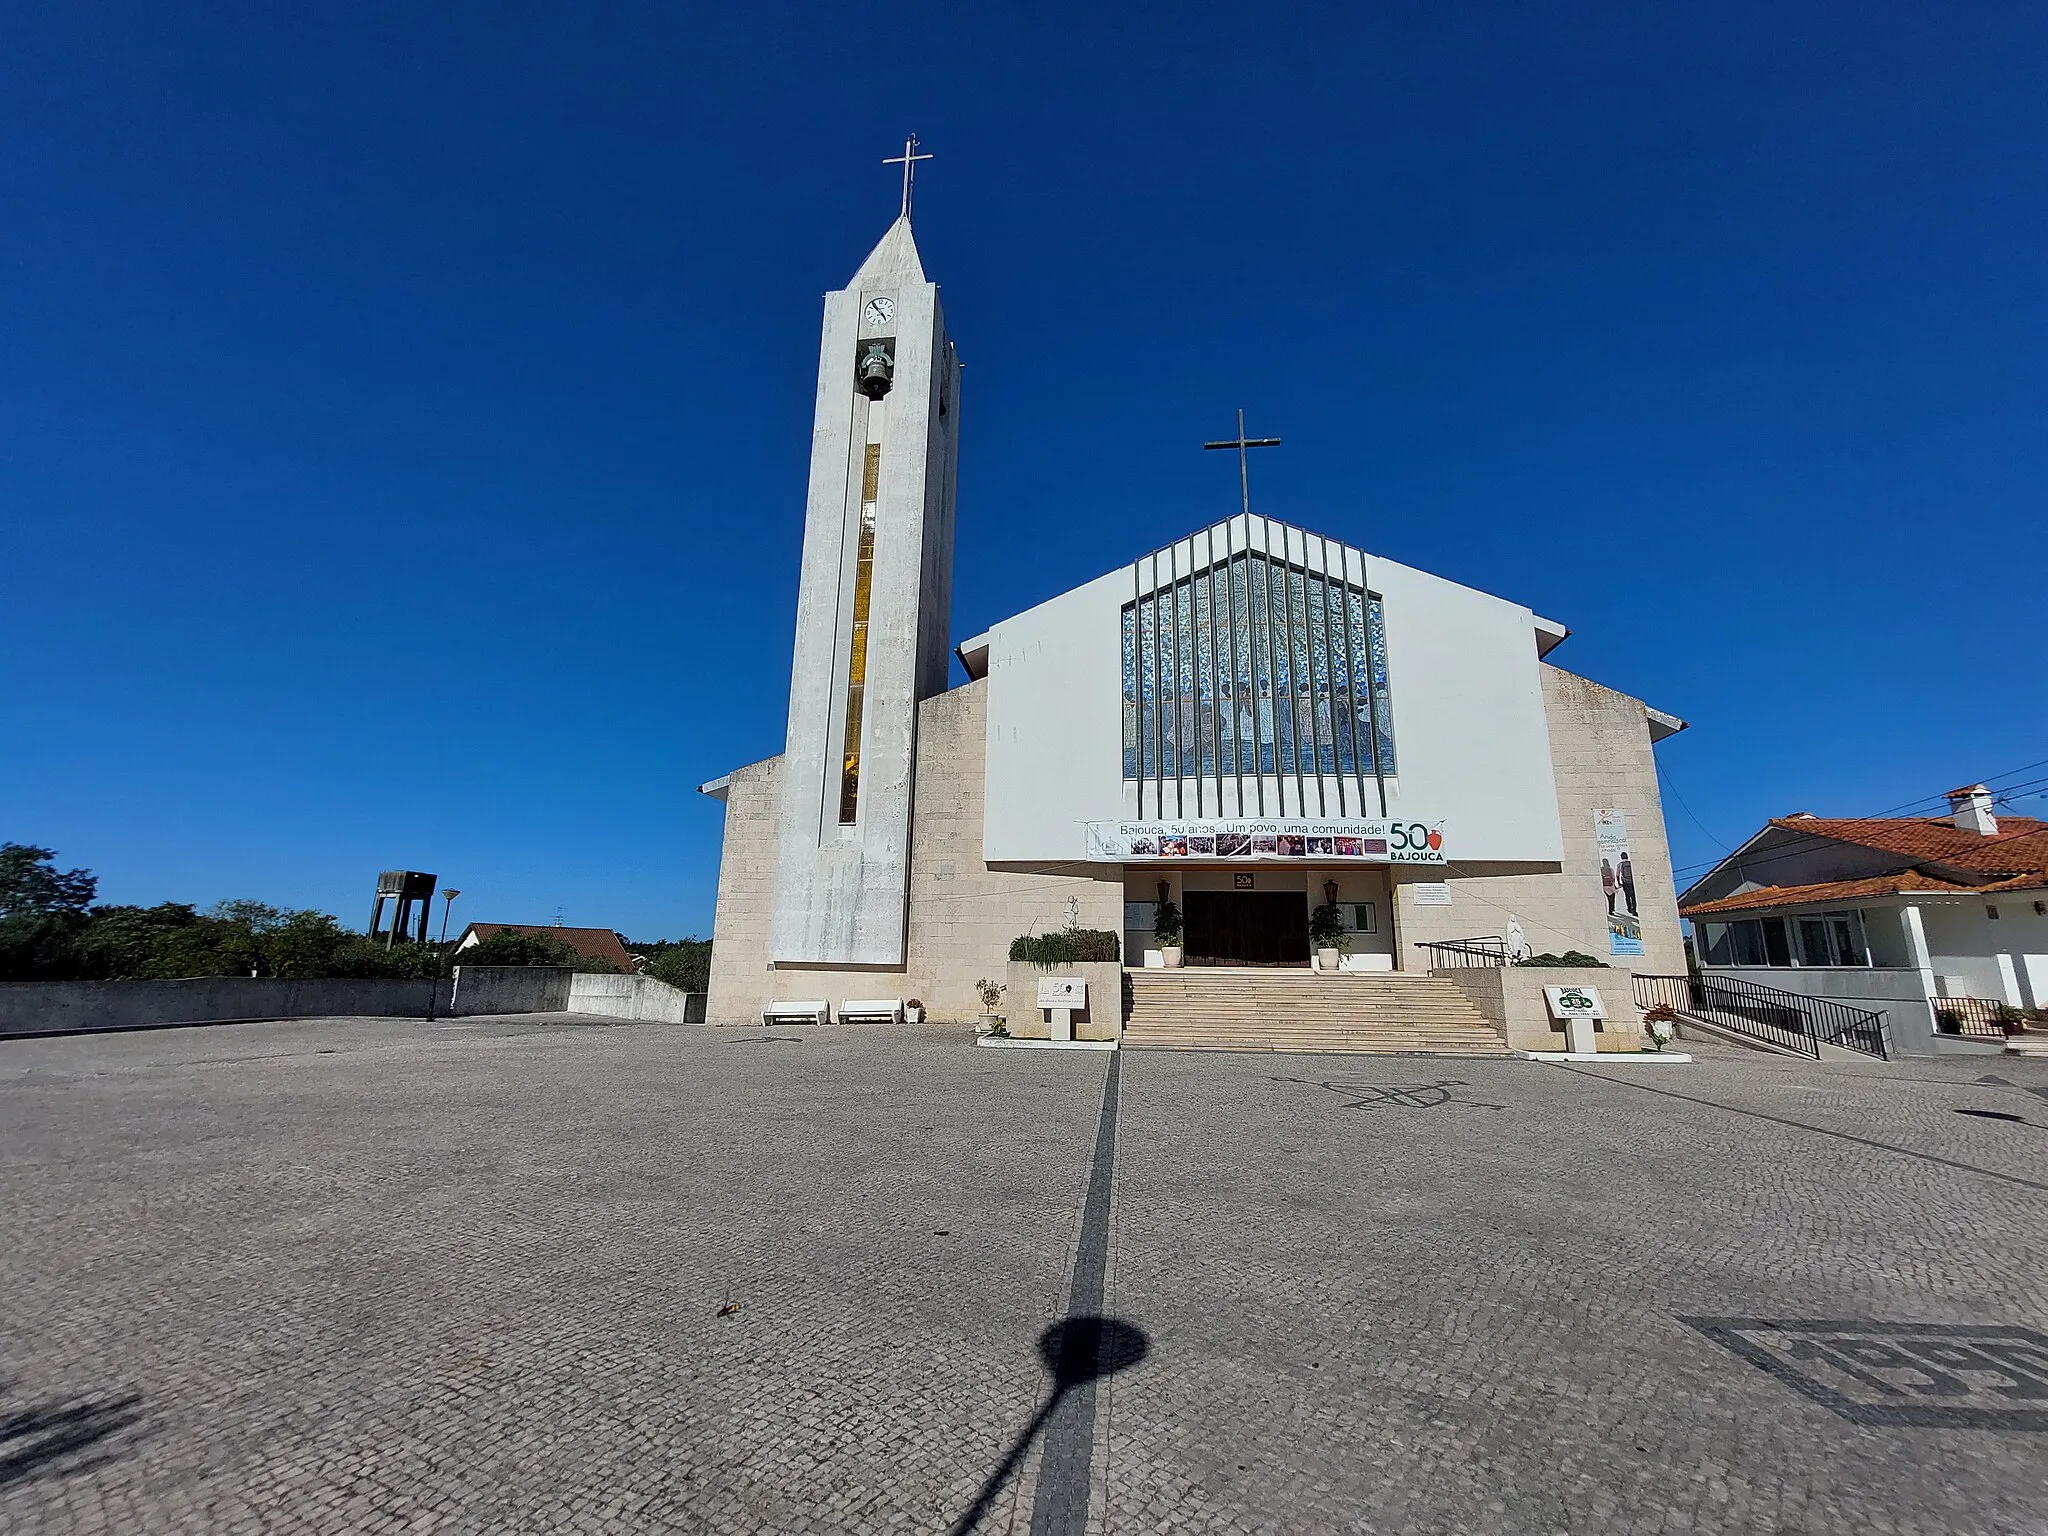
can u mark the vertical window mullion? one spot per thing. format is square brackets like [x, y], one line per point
[1158, 698]
[1246, 686]
[1382, 686]
[1127, 638]
[1272, 699]
[1173, 622]
[1333, 594]
[1198, 605]
[1313, 617]
[1293, 672]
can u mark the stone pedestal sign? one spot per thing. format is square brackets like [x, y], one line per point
[1576, 1007]
[1062, 997]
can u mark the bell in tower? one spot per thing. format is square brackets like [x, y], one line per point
[877, 368]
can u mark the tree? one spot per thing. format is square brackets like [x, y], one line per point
[50, 932]
[120, 943]
[41, 910]
[683, 963]
[509, 948]
[31, 886]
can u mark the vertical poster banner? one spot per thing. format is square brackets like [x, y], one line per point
[1618, 883]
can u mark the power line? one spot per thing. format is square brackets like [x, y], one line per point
[1672, 785]
[1931, 801]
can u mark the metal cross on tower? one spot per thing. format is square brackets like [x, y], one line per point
[908, 160]
[1241, 443]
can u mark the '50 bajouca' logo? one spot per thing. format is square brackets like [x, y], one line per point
[1413, 843]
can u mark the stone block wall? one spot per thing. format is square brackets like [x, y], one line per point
[963, 912]
[1602, 756]
[1103, 1019]
[1511, 997]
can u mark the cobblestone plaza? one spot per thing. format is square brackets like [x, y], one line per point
[495, 1275]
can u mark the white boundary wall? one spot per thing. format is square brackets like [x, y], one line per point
[634, 997]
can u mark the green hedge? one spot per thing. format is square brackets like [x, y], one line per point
[1068, 946]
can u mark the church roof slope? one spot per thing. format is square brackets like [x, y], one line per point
[893, 260]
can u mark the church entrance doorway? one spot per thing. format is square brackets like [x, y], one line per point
[1246, 927]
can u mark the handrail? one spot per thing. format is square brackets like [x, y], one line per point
[1983, 1017]
[1481, 950]
[1792, 1020]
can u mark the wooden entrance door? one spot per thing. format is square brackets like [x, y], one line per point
[1247, 928]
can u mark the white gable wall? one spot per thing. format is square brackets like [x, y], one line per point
[1470, 735]
[1469, 731]
[1055, 723]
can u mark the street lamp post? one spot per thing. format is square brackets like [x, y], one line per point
[434, 987]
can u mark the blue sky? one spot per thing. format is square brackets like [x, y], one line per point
[404, 410]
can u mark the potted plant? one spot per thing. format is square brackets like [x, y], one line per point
[2010, 1019]
[1166, 928]
[1660, 1023]
[991, 999]
[913, 1011]
[1327, 932]
[1949, 1020]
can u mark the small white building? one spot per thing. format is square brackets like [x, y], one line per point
[1937, 922]
[1250, 722]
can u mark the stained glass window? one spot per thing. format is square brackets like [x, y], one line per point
[857, 650]
[1256, 666]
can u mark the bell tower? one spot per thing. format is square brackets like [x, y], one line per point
[873, 610]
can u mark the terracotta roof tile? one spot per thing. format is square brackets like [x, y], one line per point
[597, 943]
[1827, 890]
[2020, 846]
[1911, 881]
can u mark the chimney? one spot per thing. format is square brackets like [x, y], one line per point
[1970, 809]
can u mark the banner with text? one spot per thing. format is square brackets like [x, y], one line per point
[1618, 883]
[1239, 842]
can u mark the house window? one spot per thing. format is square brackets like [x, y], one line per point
[1832, 938]
[1747, 941]
[1365, 917]
[1818, 939]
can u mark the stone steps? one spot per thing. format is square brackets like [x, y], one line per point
[1371, 1012]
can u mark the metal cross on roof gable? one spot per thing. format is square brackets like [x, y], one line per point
[1241, 443]
[908, 160]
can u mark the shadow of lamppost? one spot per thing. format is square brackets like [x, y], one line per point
[1077, 1351]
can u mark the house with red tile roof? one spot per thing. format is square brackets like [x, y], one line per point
[597, 943]
[1899, 914]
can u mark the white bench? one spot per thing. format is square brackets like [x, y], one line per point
[797, 1013]
[884, 1009]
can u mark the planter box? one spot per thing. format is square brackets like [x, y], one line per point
[1102, 1019]
[1511, 997]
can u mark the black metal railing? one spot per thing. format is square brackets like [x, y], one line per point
[1772, 1015]
[1983, 1017]
[1448, 954]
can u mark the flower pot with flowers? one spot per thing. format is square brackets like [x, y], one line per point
[1660, 1024]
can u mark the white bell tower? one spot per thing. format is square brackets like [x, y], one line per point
[873, 609]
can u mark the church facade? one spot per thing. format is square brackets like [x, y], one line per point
[1249, 723]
